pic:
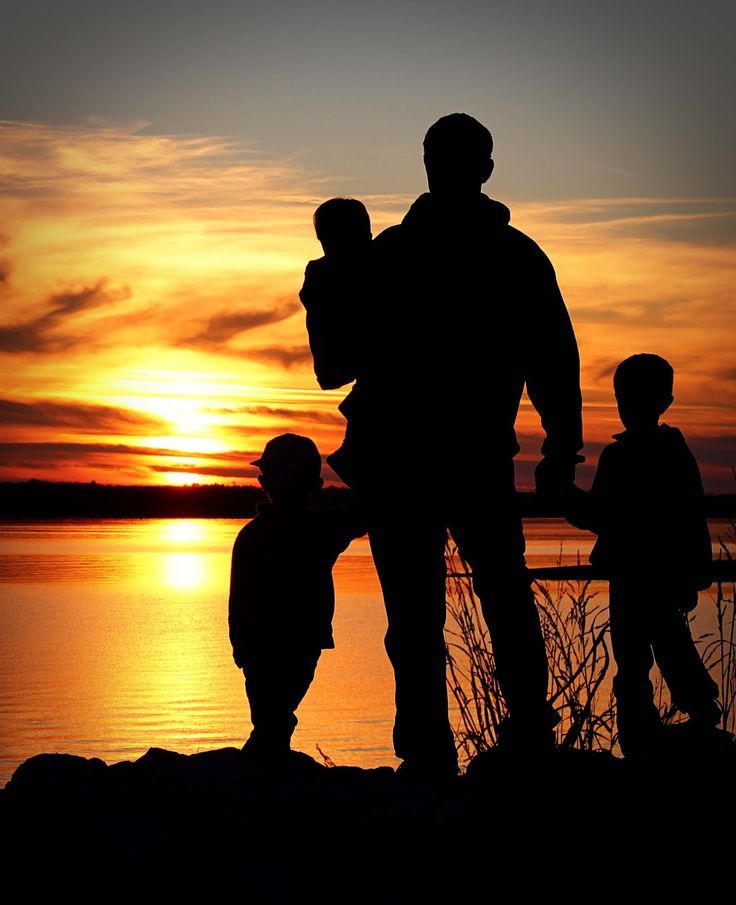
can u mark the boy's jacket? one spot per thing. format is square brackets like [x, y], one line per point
[647, 507]
[281, 590]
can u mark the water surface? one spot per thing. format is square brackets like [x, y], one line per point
[114, 639]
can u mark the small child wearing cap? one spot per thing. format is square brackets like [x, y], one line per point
[282, 596]
[646, 505]
[331, 294]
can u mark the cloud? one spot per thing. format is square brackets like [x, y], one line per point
[291, 414]
[38, 334]
[710, 221]
[218, 471]
[288, 357]
[221, 328]
[192, 225]
[78, 416]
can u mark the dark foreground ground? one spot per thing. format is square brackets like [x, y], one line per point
[572, 825]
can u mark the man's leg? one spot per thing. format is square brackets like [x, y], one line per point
[408, 545]
[488, 531]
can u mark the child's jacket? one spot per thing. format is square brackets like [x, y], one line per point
[281, 589]
[647, 507]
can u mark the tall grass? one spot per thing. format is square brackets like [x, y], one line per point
[719, 648]
[575, 627]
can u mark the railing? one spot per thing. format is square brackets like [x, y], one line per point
[722, 570]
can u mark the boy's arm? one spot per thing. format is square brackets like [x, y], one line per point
[237, 602]
[347, 523]
[330, 350]
[698, 537]
[587, 510]
[579, 509]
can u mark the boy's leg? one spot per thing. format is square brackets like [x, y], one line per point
[275, 686]
[692, 689]
[637, 716]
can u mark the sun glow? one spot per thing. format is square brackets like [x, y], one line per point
[184, 571]
[183, 531]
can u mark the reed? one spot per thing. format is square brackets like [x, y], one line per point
[575, 627]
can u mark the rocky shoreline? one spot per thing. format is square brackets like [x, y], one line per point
[511, 826]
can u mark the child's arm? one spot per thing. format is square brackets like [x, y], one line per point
[696, 534]
[579, 510]
[328, 341]
[237, 602]
[587, 510]
[347, 523]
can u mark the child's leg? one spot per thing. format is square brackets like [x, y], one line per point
[637, 716]
[275, 686]
[692, 689]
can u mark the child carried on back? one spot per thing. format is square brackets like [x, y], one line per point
[332, 295]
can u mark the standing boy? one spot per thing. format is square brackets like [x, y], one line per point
[282, 597]
[646, 506]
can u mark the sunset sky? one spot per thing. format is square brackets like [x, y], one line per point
[160, 163]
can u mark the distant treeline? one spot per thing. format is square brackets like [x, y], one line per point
[45, 499]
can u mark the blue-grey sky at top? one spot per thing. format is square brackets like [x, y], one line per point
[584, 98]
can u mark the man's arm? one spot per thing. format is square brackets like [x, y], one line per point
[553, 377]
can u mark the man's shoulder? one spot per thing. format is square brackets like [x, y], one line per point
[389, 237]
[524, 245]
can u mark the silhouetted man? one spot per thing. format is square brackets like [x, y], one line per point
[465, 311]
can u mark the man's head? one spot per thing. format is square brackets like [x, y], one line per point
[643, 386]
[457, 157]
[290, 468]
[342, 225]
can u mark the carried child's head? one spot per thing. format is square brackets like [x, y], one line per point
[643, 387]
[290, 468]
[342, 226]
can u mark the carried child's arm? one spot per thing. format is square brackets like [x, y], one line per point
[321, 297]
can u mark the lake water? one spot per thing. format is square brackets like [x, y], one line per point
[114, 639]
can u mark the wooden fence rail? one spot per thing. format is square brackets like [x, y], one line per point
[723, 570]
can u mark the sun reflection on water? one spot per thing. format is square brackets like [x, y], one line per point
[184, 571]
[183, 531]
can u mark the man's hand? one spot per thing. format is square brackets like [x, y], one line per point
[555, 479]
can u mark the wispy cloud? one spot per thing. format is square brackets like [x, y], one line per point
[224, 326]
[80, 417]
[57, 328]
[285, 357]
[294, 414]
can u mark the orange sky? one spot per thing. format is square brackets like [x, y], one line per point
[151, 330]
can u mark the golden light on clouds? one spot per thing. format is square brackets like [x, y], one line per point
[151, 330]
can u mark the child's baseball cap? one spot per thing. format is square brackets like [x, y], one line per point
[290, 455]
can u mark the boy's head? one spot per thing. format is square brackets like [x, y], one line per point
[290, 468]
[643, 387]
[342, 224]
